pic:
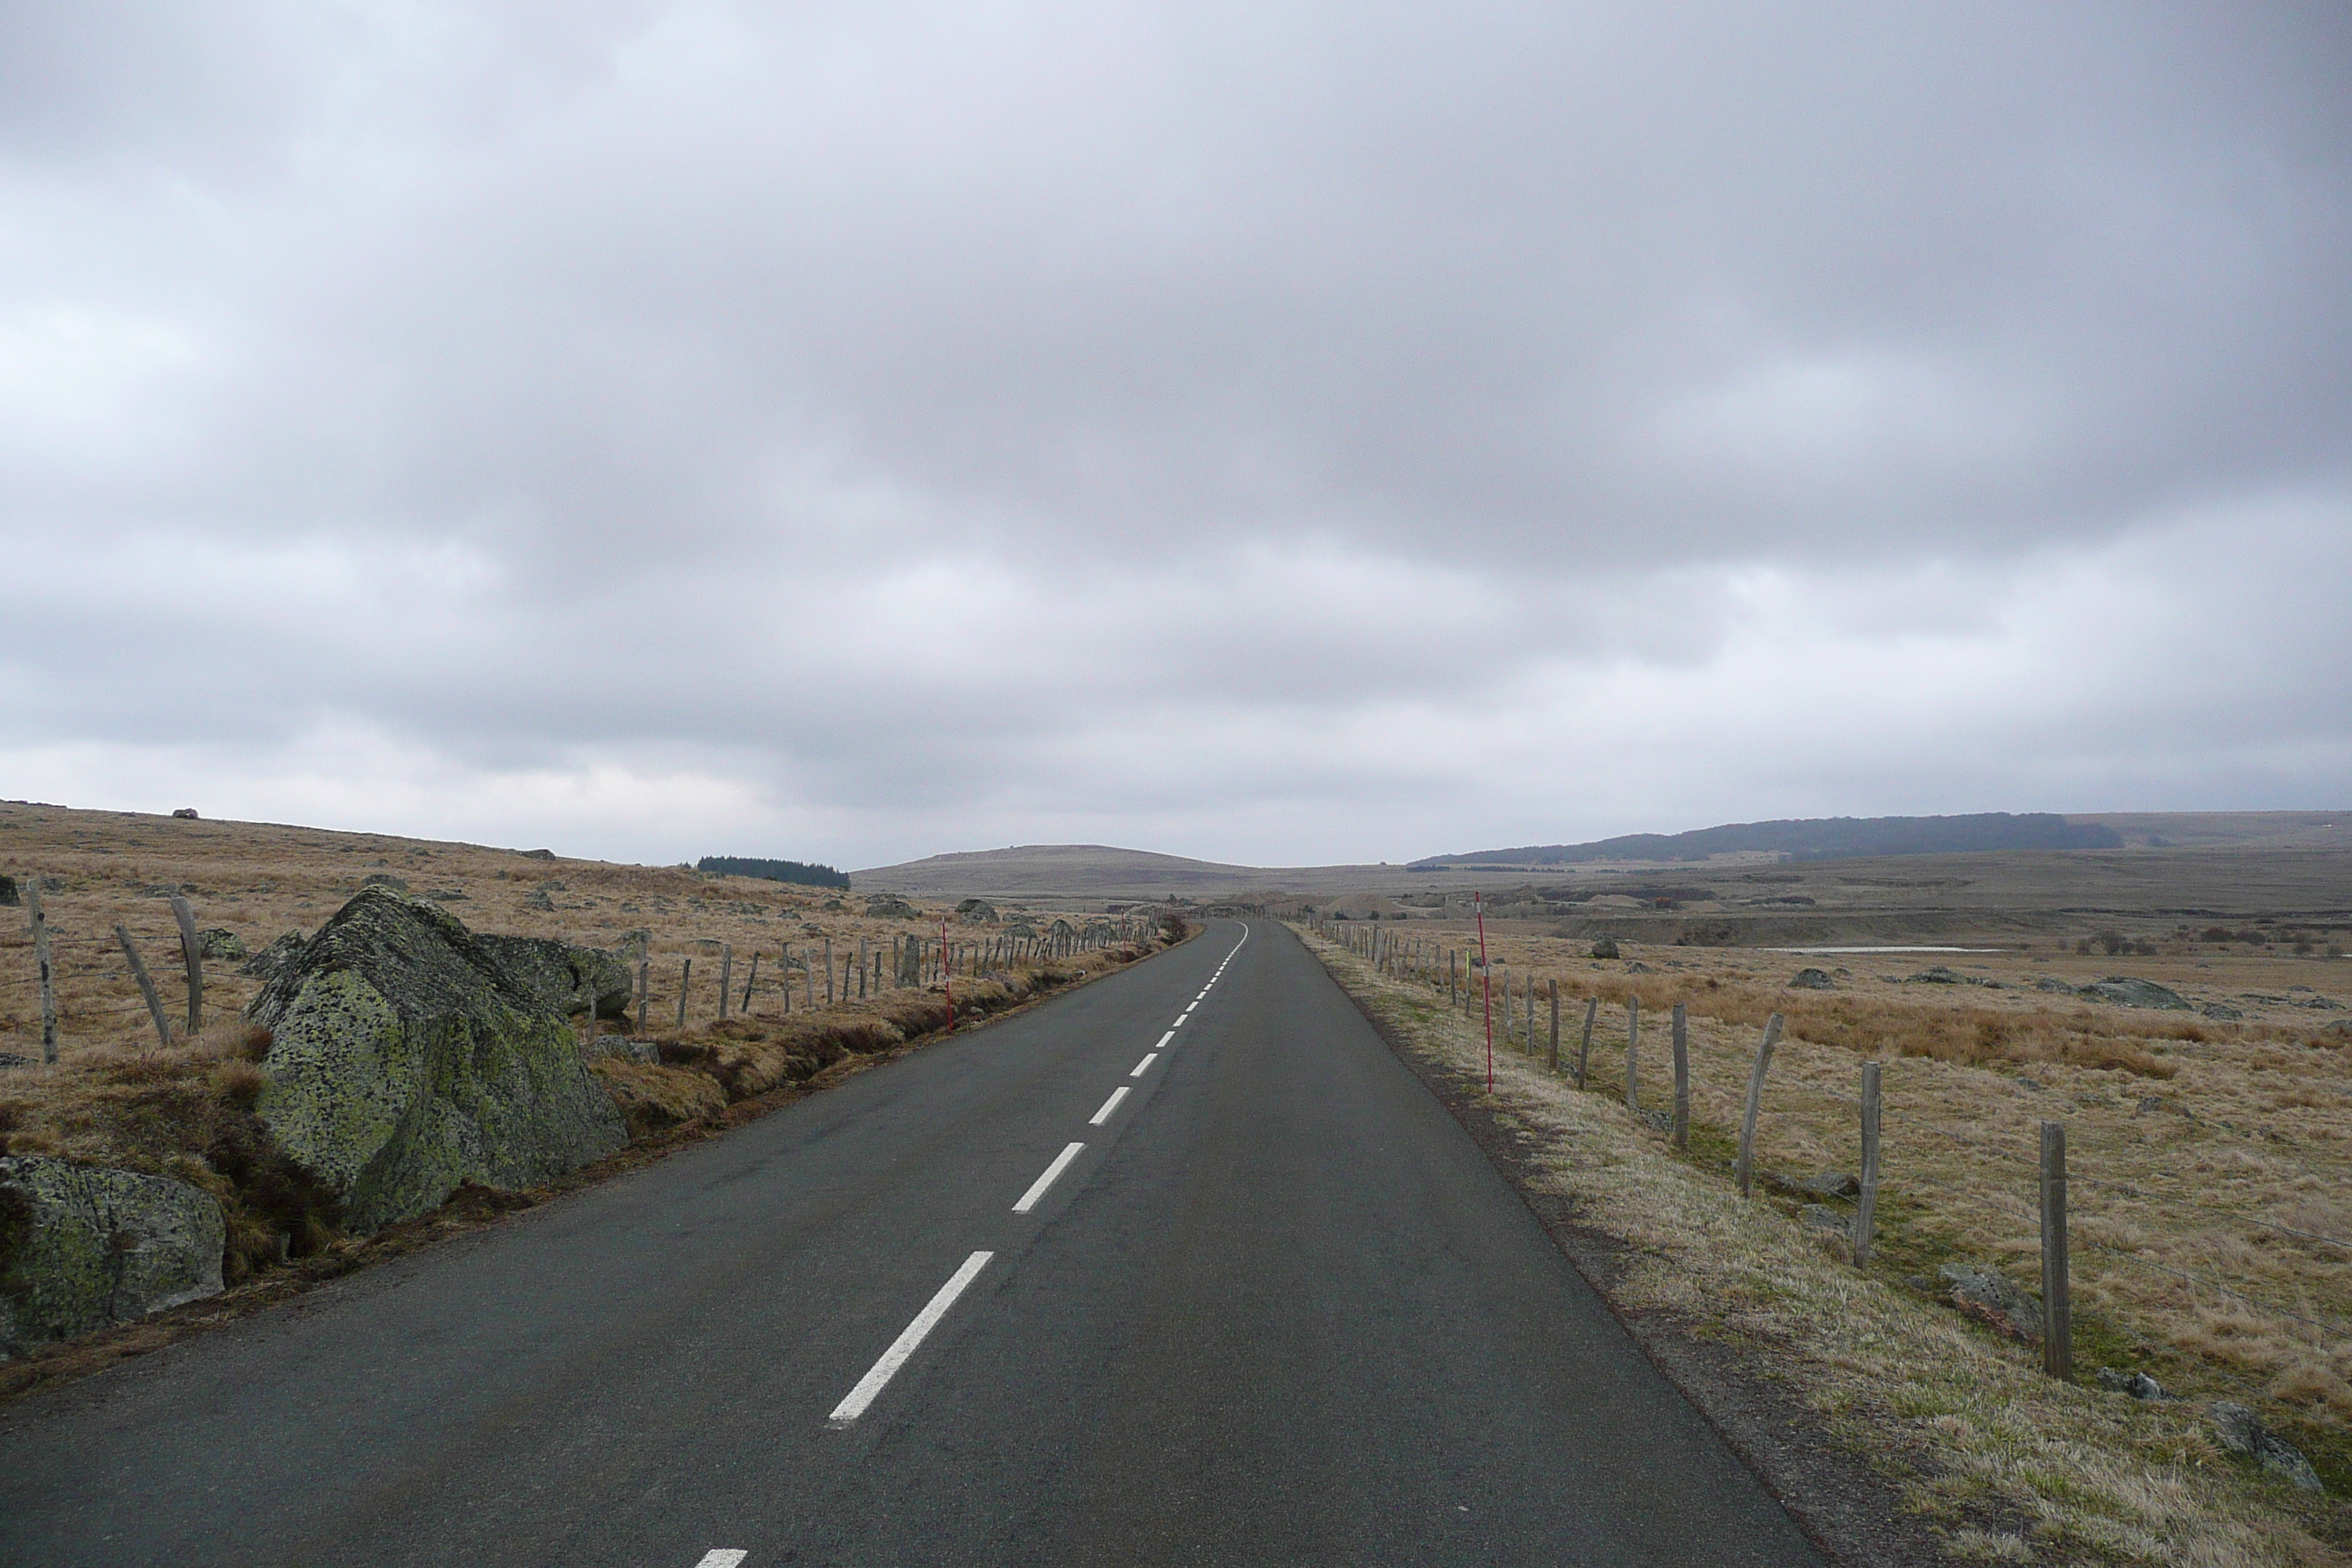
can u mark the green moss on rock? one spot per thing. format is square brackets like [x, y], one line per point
[406, 1060]
[84, 1247]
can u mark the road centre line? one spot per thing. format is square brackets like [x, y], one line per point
[880, 1375]
[1148, 1057]
[1037, 1188]
[1164, 1039]
[1178, 1023]
[722, 1557]
[1109, 1106]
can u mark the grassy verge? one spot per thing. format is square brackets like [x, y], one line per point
[1961, 1421]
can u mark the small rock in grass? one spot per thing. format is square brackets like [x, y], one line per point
[2051, 982]
[2137, 1385]
[1821, 1216]
[1605, 948]
[1992, 1298]
[1812, 980]
[384, 879]
[2242, 1432]
[1638, 967]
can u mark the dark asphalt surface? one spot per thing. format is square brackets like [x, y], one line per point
[1279, 1311]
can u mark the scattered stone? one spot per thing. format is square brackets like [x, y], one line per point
[553, 886]
[2137, 1385]
[2127, 992]
[1812, 980]
[1605, 948]
[384, 879]
[1942, 974]
[834, 905]
[1659, 1120]
[537, 854]
[275, 957]
[87, 1247]
[221, 943]
[2032, 1083]
[890, 906]
[406, 1060]
[1992, 1298]
[2242, 1432]
[2149, 1104]
[537, 898]
[2322, 1004]
[977, 911]
[186, 814]
[447, 896]
[2222, 1011]
[1832, 1185]
[9, 897]
[1821, 1216]
[1638, 967]
[2054, 985]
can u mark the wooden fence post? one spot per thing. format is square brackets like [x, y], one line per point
[39, 920]
[1682, 1077]
[1584, 1046]
[1632, 1053]
[1453, 977]
[146, 987]
[645, 991]
[2057, 1303]
[685, 979]
[1866, 1209]
[1744, 1169]
[828, 972]
[750, 984]
[1531, 1015]
[726, 976]
[192, 951]
[861, 969]
[1555, 1026]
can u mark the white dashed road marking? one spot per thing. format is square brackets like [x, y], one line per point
[1037, 1188]
[1099, 1117]
[904, 1346]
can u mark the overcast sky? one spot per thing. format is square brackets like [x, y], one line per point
[1273, 434]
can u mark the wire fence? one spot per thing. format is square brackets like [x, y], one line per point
[1473, 989]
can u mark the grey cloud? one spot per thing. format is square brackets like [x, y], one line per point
[890, 407]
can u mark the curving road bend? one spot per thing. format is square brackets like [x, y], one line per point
[1183, 1267]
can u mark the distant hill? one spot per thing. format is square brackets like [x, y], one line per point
[1816, 838]
[1038, 869]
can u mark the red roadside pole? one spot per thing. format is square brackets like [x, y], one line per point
[1486, 986]
[946, 972]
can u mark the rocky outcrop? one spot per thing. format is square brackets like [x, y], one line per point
[220, 944]
[276, 956]
[1605, 948]
[563, 976]
[976, 912]
[890, 906]
[2242, 1432]
[84, 1247]
[1812, 980]
[405, 1059]
[2126, 992]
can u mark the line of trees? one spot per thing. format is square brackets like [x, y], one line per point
[798, 872]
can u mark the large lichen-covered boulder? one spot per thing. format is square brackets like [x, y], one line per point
[563, 975]
[84, 1247]
[405, 1060]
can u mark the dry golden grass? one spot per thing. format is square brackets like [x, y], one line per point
[2190, 1140]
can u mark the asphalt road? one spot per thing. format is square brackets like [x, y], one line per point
[1278, 1310]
